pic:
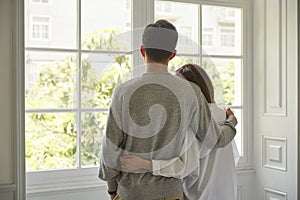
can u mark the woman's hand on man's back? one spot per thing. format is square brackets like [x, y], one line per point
[229, 112]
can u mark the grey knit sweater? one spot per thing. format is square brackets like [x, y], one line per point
[150, 116]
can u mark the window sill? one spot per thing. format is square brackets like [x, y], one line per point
[77, 180]
[63, 181]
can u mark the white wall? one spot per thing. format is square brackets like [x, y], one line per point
[6, 101]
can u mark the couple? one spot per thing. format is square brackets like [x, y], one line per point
[163, 131]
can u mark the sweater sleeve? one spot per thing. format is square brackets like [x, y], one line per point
[109, 162]
[168, 168]
[178, 167]
[228, 132]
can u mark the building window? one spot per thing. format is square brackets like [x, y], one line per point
[167, 7]
[207, 36]
[186, 32]
[127, 4]
[227, 36]
[40, 28]
[163, 7]
[227, 13]
[40, 1]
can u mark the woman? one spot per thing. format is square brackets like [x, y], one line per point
[213, 178]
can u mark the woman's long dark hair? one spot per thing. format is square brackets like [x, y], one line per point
[196, 74]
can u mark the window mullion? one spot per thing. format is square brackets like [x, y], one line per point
[139, 21]
[150, 11]
[78, 113]
[200, 32]
[53, 110]
[222, 56]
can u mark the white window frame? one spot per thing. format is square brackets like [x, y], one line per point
[65, 179]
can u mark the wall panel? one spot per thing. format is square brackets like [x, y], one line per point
[275, 57]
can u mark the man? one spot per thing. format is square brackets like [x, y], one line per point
[150, 116]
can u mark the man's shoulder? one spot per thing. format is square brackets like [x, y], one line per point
[186, 87]
[127, 84]
[150, 79]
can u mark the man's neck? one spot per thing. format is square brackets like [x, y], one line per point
[156, 67]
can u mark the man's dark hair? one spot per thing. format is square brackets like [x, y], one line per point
[159, 40]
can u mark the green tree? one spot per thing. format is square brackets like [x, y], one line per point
[227, 75]
[223, 81]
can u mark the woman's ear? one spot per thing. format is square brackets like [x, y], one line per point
[142, 50]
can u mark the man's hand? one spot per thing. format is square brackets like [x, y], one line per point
[132, 163]
[229, 112]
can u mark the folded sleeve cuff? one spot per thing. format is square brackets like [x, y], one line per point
[232, 119]
[155, 167]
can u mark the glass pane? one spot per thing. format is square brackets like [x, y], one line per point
[239, 131]
[50, 141]
[226, 76]
[101, 74]
[184, 17]
[93, 128]
[221, 30]
[179, 61]
[106, 25]
[50, 80]
[51, 25]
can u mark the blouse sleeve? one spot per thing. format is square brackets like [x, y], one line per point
[179, 167]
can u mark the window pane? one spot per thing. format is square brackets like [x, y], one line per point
[105, 27]
[184, 17]
[221, 30]
[239, 131]
[101, 74]
[50, 141]
[226, 77]
[93, 128]
[50, 80]
[59, 20]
